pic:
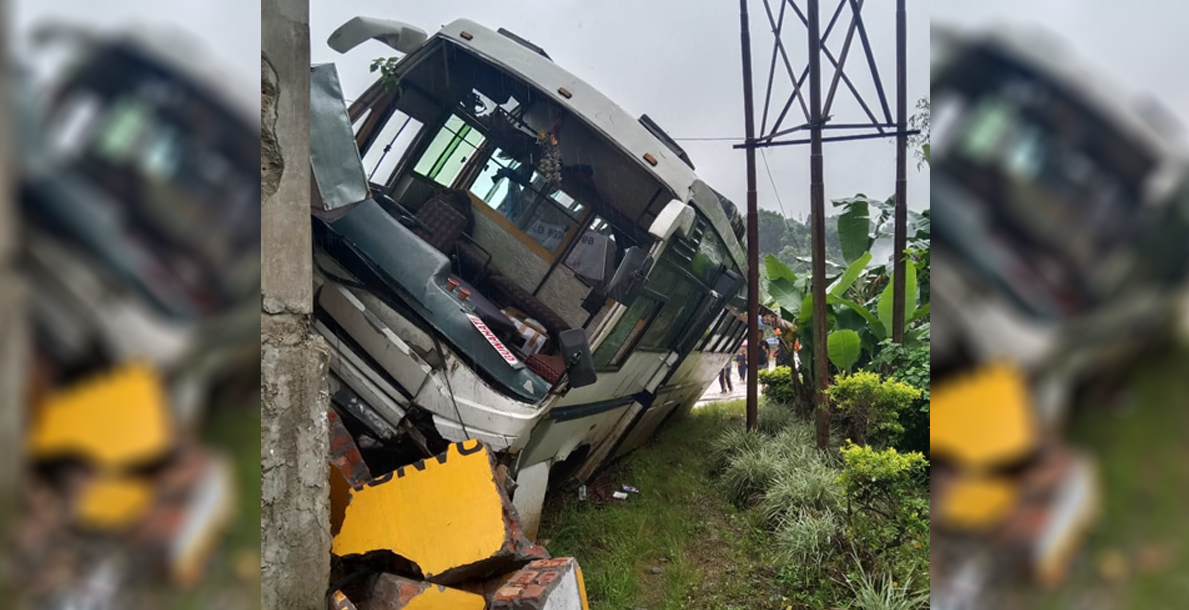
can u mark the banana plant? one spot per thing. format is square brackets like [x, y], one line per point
[859, 300]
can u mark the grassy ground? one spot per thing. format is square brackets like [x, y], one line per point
[1138, 556]
[677, 544]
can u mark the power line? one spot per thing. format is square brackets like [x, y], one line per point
[780, 203]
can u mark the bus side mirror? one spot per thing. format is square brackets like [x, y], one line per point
[632, 272]
[579, 362]
[400, 36]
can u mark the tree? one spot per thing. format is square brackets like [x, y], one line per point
[920, 142]
[773, 232]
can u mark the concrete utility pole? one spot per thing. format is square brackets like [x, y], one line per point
[294, 483]
[753, 232]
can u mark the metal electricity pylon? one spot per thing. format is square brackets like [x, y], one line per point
[818, 118]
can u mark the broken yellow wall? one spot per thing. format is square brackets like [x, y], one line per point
[441, 513]
[117, 420]
[113, 503]
[983, 420]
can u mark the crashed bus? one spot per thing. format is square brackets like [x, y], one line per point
[502, 253]
[132, 154]
[1060, 213]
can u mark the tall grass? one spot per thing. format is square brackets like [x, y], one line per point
[811, 485]
[884, 592]
[730, 443]
[771, 417]
[751, 470]
[807, 537]
[799, 501]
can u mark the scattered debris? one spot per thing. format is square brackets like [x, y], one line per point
[344, 453]
[119, 480]
[630, 489]
[620, 495]
[997, 475]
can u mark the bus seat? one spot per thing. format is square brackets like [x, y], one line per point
[440, 225]
[525, 301]
[548, 367]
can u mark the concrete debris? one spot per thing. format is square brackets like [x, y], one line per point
[448, 515]
[339, 601]
[548, 584]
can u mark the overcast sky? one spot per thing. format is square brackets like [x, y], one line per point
[228, 30]
[1140, 45]
[676, 60]
[679, 62]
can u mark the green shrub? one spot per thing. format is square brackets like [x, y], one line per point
[778, 385]
[885, 505]
[869, 406]
[909, 364]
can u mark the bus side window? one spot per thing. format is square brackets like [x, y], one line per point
[711, 330]
[390, 145]
[521, 195]
[682, 298]
[619, 344]
[449, 152]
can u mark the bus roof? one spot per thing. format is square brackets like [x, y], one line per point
[185, 56]
[1045, 52]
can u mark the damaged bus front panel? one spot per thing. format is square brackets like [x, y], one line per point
[528, 265]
